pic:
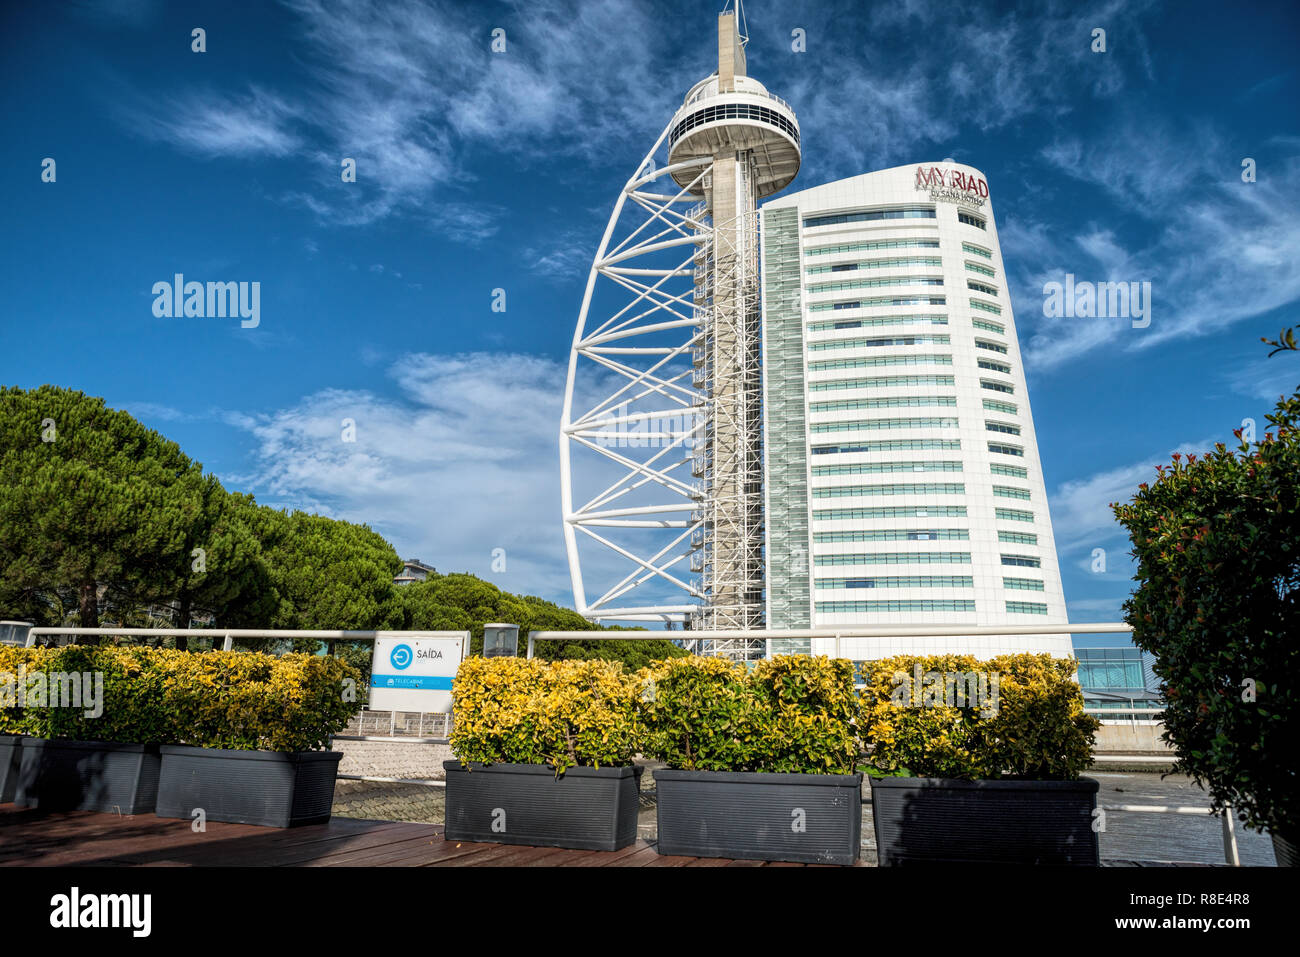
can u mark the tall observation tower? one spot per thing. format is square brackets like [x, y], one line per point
[661, 436]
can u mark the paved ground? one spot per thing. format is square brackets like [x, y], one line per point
[1128, 838]
[392, 759]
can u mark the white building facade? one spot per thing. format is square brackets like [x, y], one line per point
[902, 479]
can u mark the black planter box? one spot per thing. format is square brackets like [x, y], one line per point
[271, 788]
[589, 809]
[936, 820]
[806, 818]
[9, 756]
[55, 774]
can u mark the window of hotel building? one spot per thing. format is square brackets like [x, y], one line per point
[882, 301]
[861, 425]
[896, 558]
[1006, 491]
[1026, 608]
[1022, 584]
[893, 535]
[917, 488]
[872, 215]
[867, 362]
[895, 605]
[877, 468]
[981, 287]
[875, 264]
[1022, 561]
[876, 244]
[934, 340]
[889, 445]
[880, 382]
[899, 581]
[876, 283]
[1017, 538]
[1005, 449]
[877, 322]
[888, 402]
[890, 511]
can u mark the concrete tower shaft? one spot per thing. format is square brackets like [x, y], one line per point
[751, 141]
[661, 430]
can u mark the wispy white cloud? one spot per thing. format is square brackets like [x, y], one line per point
[1267, 380]
[564, 260]
[1081, 515]
[412, 90]
[217, 124]
[461, 460]
[451, 467]
[1216, 250]
[148, 411]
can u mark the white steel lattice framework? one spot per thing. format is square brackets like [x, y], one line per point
[662, 420]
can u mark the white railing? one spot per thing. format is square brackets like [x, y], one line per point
[1231, 853]
[828, 640]
[229, 635]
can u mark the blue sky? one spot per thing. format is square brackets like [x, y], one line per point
[480, 171]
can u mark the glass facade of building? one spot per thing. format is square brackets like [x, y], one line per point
[1118, 683]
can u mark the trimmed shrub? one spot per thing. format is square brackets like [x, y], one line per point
[1217, 543]
[954, 716]
[84, 692]
[791, 714]
[562, 714]
[249, 701]
[225, 699]
[15, 664]
[700, 714]
[812, 714]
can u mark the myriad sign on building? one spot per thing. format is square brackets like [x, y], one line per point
[414, 674]
[952, 186]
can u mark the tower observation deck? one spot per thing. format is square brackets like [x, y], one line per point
[682, 388]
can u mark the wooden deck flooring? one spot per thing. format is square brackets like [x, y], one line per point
[88, 839]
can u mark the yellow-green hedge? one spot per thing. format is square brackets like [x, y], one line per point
[559, 713]
[793, 714]
[224, 699]
[252, 701]
[1030, 724]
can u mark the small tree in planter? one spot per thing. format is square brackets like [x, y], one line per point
[1217, 543]
[761, 764]
[249, 730]
[545, 754]
[979, 761]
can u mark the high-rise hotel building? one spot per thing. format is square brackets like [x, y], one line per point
[901, 473]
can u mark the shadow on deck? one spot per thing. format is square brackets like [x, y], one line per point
[88, 839]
